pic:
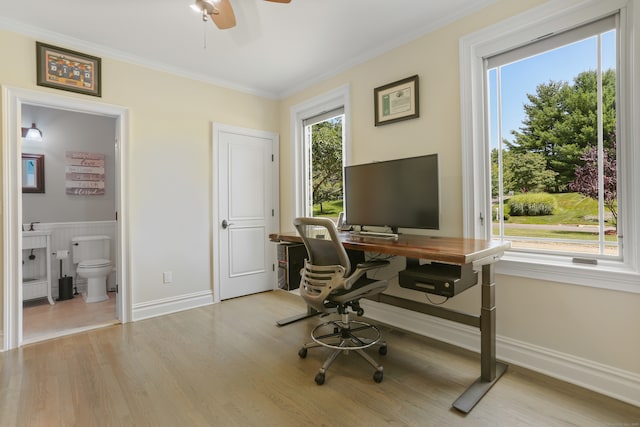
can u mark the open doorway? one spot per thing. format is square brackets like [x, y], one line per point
[62, 223]
[73, 208]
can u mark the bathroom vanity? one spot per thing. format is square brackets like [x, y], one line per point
[36, 283]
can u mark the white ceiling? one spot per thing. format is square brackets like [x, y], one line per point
[275, 49]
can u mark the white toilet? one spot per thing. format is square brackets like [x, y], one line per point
[91, 253]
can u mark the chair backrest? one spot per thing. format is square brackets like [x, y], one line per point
[328, 264]
[320, 237]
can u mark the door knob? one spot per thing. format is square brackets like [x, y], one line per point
[226, 224]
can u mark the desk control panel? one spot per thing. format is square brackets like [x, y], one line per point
[436, 278]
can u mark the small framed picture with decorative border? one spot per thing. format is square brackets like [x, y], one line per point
[396, 101]
[66, 69]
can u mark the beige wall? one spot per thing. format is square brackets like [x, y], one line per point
[169, 162]
[594, 324]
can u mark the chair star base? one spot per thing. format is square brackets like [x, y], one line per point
[340, 336]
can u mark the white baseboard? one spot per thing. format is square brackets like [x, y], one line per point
[604, 379]
[164, 306]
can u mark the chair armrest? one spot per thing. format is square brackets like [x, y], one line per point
[361, 269]
[370, 265]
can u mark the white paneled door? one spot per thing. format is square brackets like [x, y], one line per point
[247, 202]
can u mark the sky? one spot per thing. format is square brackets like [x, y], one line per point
[521, 78]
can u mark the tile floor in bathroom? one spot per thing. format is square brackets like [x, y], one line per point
[44, 321]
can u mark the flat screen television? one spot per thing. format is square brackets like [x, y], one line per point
[400, 193]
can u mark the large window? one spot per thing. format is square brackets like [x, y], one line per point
[320, 149]
[552, 129]
[324, 163]
[550, 142]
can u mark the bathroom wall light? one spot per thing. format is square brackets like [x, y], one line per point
[32, 133]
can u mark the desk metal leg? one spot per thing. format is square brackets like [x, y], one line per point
[490, 370]
[310, 313]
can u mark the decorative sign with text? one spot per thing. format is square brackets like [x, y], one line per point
[66, 69]
[84, 173]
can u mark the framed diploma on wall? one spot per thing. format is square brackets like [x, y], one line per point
[396, 101]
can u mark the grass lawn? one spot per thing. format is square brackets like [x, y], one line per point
[330, 209]
[571, 208]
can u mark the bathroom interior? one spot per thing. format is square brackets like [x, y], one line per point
[68, 222]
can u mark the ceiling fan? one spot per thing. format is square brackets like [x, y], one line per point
[221, 12]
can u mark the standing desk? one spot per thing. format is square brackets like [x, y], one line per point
[481, 253]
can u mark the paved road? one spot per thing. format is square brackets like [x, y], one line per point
[561, 227]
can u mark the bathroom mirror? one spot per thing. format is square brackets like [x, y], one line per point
[32, 173]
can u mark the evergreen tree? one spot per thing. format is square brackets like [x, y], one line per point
[561, 124]
[526, 172]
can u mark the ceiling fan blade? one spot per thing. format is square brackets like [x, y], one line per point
[279, 1]
[223, 15]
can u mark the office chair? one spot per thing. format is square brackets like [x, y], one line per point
[328, 284]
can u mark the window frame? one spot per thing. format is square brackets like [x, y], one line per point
[493, 72]
[332, 100]
[553, 17]
[308, 123]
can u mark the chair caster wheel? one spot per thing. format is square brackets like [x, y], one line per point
[320, 379]
[382, 350]
[302, 353]
[377, 377]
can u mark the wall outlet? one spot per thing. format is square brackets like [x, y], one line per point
[167, 277]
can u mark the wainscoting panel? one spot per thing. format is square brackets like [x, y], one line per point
[61, 235]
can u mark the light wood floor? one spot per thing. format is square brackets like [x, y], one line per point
[41, 320]
[229, 365]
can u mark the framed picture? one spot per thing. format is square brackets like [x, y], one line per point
[65, 69]
[396, 101]
[32, 173]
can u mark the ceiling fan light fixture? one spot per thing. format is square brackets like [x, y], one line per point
[221, 11]
[206, 6]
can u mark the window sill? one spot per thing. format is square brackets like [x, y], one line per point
[606, 275]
